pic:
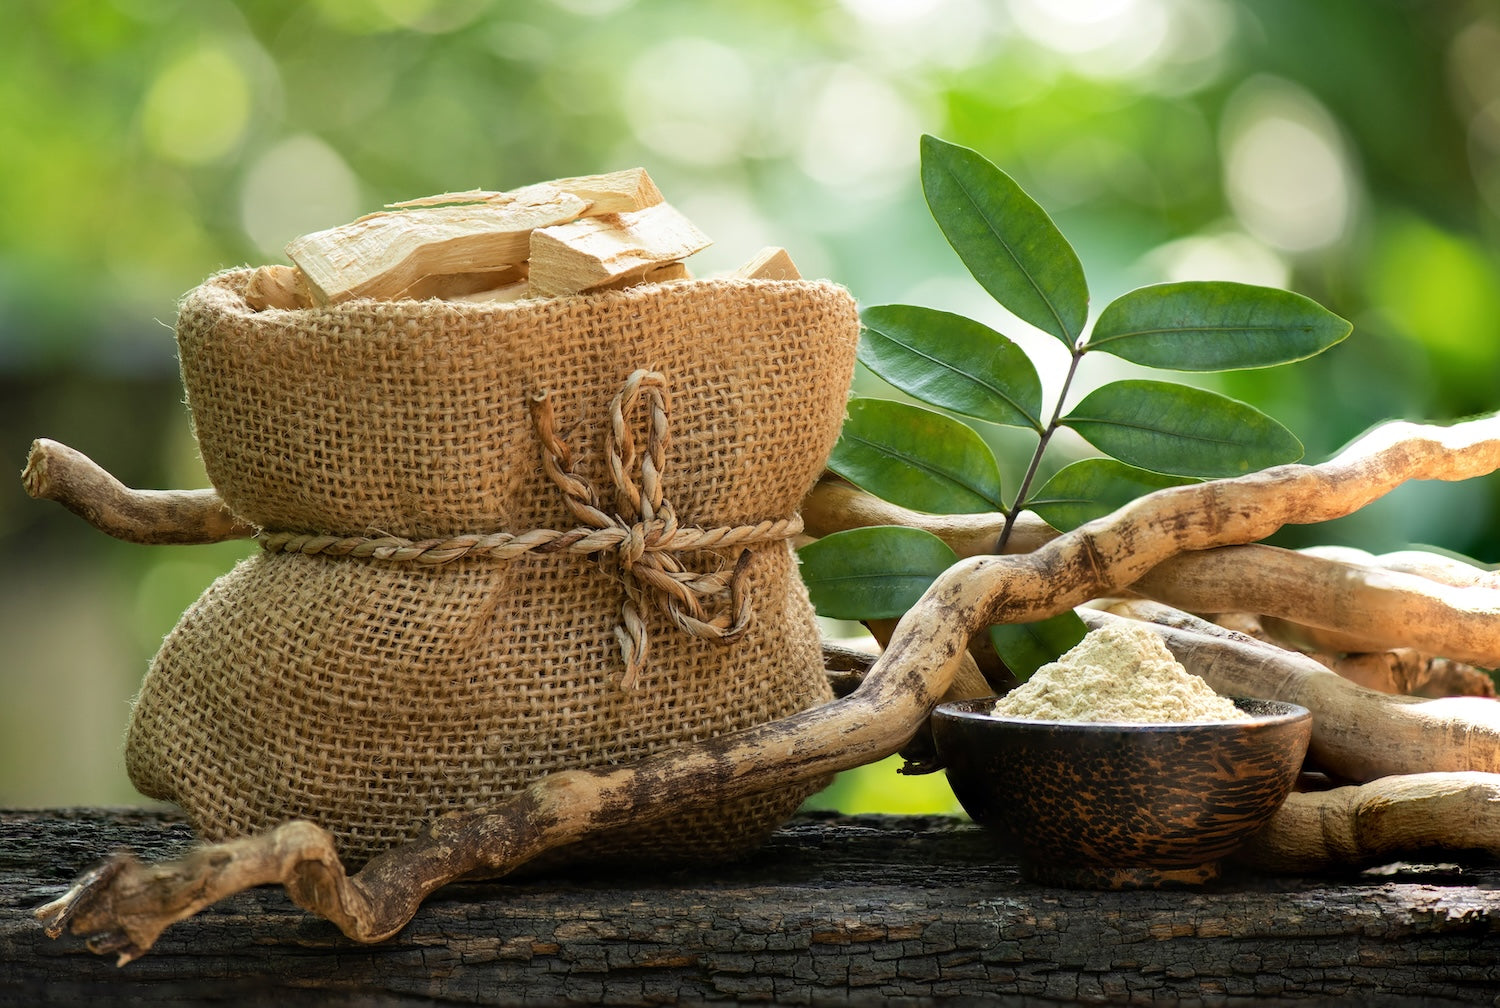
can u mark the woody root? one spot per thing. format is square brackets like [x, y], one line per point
[1384, 651]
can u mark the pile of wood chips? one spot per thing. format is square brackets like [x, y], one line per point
[551, 239]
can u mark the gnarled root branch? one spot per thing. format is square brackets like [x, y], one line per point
[1338, 605]
[1333, 600]
[1396, 670]
[1406, 671]
[926, 650]
[1358, 825]
[1358, 734]
[58, 473]
[124, 905]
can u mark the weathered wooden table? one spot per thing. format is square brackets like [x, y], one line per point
[863, 910]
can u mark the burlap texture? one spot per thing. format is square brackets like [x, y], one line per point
[370, 696]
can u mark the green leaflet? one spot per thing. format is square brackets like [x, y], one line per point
[872, 573]
[952, 362]
[916, 458]
[1092, 488]
[1158, 434]
[1215, 326]
[1026, 647]
[1177, 429]
[1005, 239]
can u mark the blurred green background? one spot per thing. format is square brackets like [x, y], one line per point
[1348, 149]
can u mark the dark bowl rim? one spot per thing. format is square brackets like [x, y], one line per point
[977, 711]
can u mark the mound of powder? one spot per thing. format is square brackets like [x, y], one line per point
[1120, 674]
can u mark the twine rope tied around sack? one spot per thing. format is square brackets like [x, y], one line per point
[644, 538]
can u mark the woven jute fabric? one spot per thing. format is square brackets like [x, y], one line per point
[368, 692]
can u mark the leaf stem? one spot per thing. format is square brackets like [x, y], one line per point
[1041, 448]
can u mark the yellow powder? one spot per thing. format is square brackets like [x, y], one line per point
[1120, 674]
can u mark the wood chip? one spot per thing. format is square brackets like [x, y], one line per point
[386, 253]
[593, 251]
[277, 287]
[770, 263]
[612, 192]
[584, 233]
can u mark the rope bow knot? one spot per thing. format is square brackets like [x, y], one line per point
[710, 604]
[641, 534]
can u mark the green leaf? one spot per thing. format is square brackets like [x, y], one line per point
[1092, 488]
[872, 573]
[1026, 647]
[952, 362]
[1005, 239]
[1177, 429]
[916, 458]
[1215, 327]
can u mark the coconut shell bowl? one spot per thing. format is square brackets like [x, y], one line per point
[1122, 806]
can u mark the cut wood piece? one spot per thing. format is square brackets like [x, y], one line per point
[659, 273]
[614, 192]
[594, 251]
[770, 263]
[277, 287]
[454, 285]
[384, 254]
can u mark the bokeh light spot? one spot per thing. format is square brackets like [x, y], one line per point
[1472, 64]
[690, 99]
[1286, 173]
[197, 108]
[592, 8]
[913, 36]
[891, 12]
[299, 185]
[1484, 153]
[429, 16]
[858, 134]
[1440, 288]
[1099, 38]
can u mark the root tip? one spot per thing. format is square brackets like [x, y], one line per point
[34, 476]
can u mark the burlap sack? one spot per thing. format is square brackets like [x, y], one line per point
[403, 649]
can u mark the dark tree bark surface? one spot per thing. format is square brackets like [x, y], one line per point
[836, 910]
